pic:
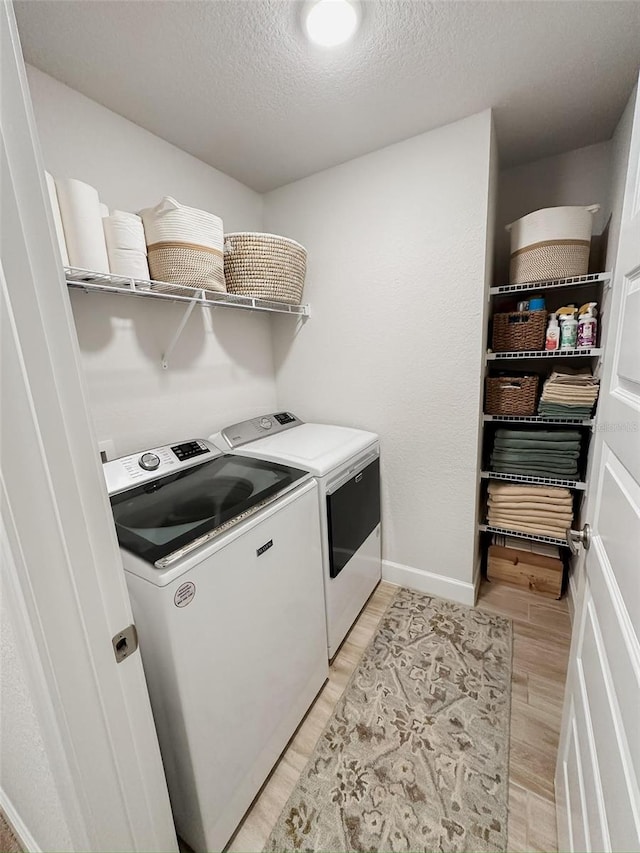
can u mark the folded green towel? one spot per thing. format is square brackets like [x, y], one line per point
[559, 409]
[525, 458]
[544, 446]
[548, 459]
[564, 464]
[539, 435]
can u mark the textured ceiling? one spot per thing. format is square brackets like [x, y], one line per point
[237, 85]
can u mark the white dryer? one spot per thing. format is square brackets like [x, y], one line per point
[222, 557]
[346, 464]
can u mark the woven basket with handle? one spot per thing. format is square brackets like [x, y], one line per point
[511, 395]
[184, 246]
[554, 259]
[265, 266]
[519, 330]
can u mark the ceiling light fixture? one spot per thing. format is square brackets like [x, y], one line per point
[331, 22]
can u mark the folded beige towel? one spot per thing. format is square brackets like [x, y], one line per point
[530, 501]
[556, 521]
[559, 395]
[539, 529]
[530, 506]
[497, 488]
[550, 518]
[568, 375]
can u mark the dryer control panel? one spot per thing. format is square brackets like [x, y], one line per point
[121, 474]
[246, 431]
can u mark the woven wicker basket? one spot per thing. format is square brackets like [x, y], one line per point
[511, 395]
[193, 266]
[184, 246]
[519, 330]
[552, 259]
[265, 266]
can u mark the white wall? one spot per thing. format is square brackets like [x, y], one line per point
[222, 368]
[581, 176]
[397, 243]
[620, 145]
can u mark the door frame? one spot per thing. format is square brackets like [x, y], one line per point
[93, 713]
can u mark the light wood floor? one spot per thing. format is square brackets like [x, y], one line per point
[540, 652]
[541, 638]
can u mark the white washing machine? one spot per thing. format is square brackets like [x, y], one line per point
[346, 464]
[222, 557]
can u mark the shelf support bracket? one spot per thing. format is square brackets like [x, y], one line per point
[177, 333]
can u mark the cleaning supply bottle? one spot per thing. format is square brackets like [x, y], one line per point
[568, 331]
[587, 325]
[552, 340]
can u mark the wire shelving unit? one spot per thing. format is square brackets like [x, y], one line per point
[512, 355]
[580, 485]
[532, 537]
[551, 284]
[537, 419]
[97, 282]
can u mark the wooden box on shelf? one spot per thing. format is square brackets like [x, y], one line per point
[526, 570]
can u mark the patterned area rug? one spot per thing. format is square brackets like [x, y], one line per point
[415, 755]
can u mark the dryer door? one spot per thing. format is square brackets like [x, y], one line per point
[353, 513]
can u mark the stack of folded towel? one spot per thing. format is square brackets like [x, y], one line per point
[540, 510]
[537, 453]
[568, 394]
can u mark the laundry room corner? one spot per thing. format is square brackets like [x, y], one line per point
[397, 246]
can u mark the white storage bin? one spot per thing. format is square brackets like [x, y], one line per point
[184, 245]
[551, 243]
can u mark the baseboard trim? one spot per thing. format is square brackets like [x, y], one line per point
[15, 822]
[477, 579]
[424, 581]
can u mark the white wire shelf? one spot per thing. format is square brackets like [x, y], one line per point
[511, 355]
[537, 419]
[551, 284]
[532, 537]
[536, 481]
[91, 281]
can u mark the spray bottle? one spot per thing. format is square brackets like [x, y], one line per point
[568, 326]
[587, 325]
[552, 341]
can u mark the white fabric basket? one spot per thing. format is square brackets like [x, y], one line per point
[553, 242]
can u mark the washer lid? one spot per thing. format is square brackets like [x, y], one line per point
[160, 521]
[318, 448]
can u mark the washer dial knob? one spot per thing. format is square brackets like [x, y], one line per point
[265, 423]
[149, 461]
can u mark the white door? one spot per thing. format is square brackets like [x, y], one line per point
[61, 573]
[598, 768]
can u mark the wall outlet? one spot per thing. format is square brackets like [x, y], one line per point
[107, 449]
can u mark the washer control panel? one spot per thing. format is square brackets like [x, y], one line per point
[246, 431]
[189, 449]
[128, 471]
